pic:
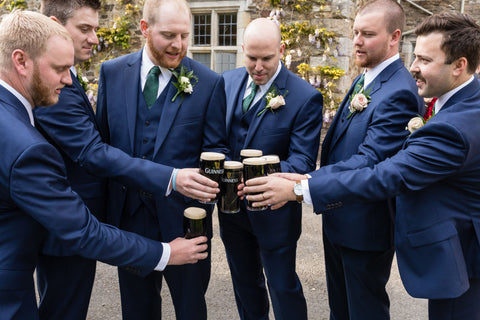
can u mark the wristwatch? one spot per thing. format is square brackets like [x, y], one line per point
[298, 190]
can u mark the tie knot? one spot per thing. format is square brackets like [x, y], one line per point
[154, 71]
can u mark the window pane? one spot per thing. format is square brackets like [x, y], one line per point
[225, 61]
[202, 24]
[227, 29]
[203, 58]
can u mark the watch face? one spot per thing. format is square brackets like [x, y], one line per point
[297, 189]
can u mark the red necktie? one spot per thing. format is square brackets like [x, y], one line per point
[429, 110]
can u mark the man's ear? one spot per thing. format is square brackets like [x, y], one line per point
[459, 66]
[55, 19]
[20, 61]
[144, 28]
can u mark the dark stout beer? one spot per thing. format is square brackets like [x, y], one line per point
[273, 163]
[228, 201]
[250, 153]
[194, 222]
[211, 166]
[253, 168]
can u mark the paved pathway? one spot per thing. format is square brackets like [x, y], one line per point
[105, 304]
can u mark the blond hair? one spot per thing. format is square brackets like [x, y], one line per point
[28, 31]
[151, 7]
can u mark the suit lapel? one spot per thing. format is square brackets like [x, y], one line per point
[336, 126]
[233, 91]
[373, 87]
[169, 113]
[8, 98]
[280, 85]
[76, 83]
[131, 77]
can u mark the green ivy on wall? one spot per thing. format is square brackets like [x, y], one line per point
[12, 5]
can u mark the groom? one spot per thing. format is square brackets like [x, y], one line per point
[143, 110]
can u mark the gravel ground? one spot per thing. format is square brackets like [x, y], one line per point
[105, 302]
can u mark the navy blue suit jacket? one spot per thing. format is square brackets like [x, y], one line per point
[363, 140]
[292, 133]
[187, 127]
[436, 178]
[71, 126]
[35, 198]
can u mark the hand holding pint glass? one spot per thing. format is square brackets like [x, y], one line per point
[211, 166]
[254, 168]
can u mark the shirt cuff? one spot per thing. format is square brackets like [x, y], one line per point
[165, 257]
[170, 183]
[307, 197]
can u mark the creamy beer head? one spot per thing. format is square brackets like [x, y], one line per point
[231, 165]
[272, 158]
[250, 153]
[212, 156]
[195, 213]
[257, 161]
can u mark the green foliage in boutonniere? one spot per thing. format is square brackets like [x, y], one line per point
[274, 100]
[83, 82]
[359, 101]
[185, 81]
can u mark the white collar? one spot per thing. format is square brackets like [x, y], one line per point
[371, 74]
[444, 97]
[148, 64]
[264, 87]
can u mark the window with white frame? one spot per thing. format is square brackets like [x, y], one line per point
[214, 40]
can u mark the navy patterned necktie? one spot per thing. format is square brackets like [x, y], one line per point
[150, 90]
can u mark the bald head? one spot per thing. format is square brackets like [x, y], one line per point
[262, 29]
[262, 49]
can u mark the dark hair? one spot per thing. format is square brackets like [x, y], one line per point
[64, 9]
[393, 13]
[461, 36]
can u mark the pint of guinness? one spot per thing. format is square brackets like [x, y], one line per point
[194, 222]
[253, 168]
[250, 153]
[211, 166]
[273, 163]
[228, 201]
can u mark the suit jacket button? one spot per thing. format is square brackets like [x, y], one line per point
[124, 188]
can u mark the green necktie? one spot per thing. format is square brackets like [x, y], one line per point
[359, 84]
[150, 90]
[247, 101]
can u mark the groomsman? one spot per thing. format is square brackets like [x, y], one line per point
[271, 109]
[64, 279]
[157, 104]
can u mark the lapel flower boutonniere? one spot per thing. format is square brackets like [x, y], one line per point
[83, 82]
[274, 101]
[417, 122]
[185, 82]
[358, 102]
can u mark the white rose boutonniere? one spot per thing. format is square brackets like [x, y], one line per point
[185, 81]
[358, 102]
[274, 101]
[415, 123]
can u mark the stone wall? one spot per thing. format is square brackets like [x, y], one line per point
[335, 15]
